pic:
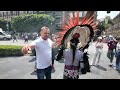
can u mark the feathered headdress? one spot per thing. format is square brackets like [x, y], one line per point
[74, 24]
[75, 31]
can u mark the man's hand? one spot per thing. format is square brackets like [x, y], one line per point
[25, 49]
[55, 44]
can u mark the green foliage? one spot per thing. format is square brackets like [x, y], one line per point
[10, 50]
[31, 22]
[107, 22]
[110, 22]
[103, 25]
[3, 23]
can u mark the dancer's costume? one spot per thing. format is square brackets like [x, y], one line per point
[77, 32]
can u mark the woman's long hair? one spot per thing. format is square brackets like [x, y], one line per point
[73, 46]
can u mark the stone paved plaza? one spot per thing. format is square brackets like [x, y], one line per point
[22, 67]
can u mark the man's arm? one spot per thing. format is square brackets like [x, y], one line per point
[54, 45]
[27, 48]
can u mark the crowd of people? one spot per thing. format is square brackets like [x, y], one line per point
[24, 36]
[112, 53]
[45, 55]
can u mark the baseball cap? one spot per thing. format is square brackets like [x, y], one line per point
[99, 37]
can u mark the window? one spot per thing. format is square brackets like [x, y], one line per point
[57, 13]
[57, 20]
[58, 26]
[1, 33]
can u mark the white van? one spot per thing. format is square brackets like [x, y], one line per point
[4, 36]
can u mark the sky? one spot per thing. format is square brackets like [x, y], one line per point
[102, 14]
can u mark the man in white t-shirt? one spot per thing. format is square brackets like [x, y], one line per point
[43, 47]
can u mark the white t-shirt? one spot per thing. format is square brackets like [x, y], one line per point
[118, 46]
[43, 52]
[100, 44]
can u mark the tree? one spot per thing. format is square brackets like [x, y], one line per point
[108, 22]
[3, 24]
[103, 25]
[100, 28]
[31, 22]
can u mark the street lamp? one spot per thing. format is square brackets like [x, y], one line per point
[7, 25]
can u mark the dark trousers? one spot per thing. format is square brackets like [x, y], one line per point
[53, 56]
[44, 72]
[110, 55]
[52, 61]
[26, 40]
[117, 60]
[15, 40]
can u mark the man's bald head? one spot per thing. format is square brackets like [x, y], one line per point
[45, 32]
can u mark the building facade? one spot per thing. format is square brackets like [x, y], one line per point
[58, 15]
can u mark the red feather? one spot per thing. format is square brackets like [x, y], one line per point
[75, 20]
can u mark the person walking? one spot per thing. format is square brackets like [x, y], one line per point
[111, 49]
[97, 55]
[118, 55]
[14, 38]
[73, 58]
[26, 38]
[43, 47]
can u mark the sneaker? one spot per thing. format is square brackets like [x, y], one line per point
[111, 65]
[35, 70]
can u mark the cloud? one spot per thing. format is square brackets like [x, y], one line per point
[103, 14]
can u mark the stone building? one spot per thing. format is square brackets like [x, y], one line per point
[58, 15]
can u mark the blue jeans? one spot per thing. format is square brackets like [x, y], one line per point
[118, 64]
[117, 60]
[110, 55]
[44, 72]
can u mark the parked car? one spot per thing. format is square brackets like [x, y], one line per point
[4, 36]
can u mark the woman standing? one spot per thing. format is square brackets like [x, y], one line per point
[97, 55]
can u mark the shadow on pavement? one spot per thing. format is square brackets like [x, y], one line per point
[102, 68]
[33, 73]
[61, 61]
[53, 70]
[33, 59]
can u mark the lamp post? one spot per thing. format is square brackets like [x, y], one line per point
[7, 25]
